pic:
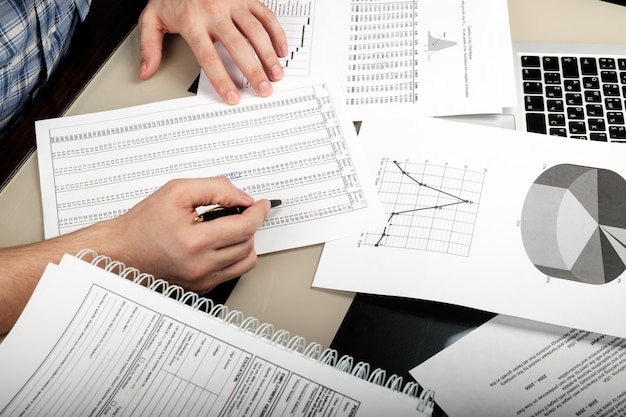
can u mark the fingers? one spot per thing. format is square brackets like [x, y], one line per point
[211, 63]
[205, 283]
[248, 30]
[255, 25]
[208, 191]
[150, 44]
[228, 248]
[272, 27]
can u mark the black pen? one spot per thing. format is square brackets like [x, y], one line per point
[219, 211]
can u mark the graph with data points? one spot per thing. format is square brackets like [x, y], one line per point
[429, 207]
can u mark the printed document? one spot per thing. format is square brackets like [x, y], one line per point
[92, 343]
[515, 367]
[494, 219]
[292, 146]
[435, 58]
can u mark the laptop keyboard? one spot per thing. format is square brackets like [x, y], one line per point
[582, 97]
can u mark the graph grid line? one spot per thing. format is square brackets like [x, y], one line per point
[429, 207]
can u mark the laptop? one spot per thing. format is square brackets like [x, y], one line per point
[572, 90]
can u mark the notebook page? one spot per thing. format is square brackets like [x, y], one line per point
[100, 344]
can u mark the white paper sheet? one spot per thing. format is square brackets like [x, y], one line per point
[92, 343]
[503, 221]
[515, 367]
[432, 57]
[293, 146]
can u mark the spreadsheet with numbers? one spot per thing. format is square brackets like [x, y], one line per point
[422, 56]
[292, 146]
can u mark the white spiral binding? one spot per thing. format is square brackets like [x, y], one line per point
[265, 331]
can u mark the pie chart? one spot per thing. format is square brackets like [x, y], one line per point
[573, 224]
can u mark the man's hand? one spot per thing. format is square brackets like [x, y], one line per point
[159, 235]
[246, 28]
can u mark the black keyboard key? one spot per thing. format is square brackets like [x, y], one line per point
[572, 85]
[575, 113]
[558, 131]
[600, 137]
[588, 66]
[536, 123]
[595, 110]
[607, 63]
[577, 128]
[621, 64]
[593, 96]
[612, 103]
[611, 90]
[555, 106]
[556, 119]
[615, 118]
[597, 125]
[531, 61]
[554, 91]
[617, 132]
[574, 99]
[570, 67]
[534, 103]
[591, 83]
[550, 63]
[608, 76]
[552, 78]
[532, 88]
[622, 77]
[533, 74]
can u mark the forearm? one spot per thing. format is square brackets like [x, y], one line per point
[22, 266]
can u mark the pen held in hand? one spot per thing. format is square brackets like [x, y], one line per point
[219, 211]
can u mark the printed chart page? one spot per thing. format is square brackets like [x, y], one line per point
[293, 146]
[498, 220]
[109, 347]
[515, 367]
[435, 58]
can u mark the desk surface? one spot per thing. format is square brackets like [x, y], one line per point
[279, 290]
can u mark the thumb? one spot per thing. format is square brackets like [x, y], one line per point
[150, 46]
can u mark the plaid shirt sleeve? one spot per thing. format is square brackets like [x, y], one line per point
[34, 36]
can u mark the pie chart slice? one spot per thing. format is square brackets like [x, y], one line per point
[574, 224]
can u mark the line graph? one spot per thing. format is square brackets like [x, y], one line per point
[430, 207]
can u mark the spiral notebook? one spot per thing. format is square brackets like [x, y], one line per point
[92, 343]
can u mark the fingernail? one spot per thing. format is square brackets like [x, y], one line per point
[265, 89]
[232, 97]
[284, 49]
[277, 72]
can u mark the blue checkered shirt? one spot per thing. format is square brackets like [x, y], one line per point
[34, 35]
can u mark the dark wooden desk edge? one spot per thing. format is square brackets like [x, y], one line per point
[106, 26]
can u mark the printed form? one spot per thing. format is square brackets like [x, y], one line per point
[109, 347]
[292, 146]
[514, 367]
[435, 58]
